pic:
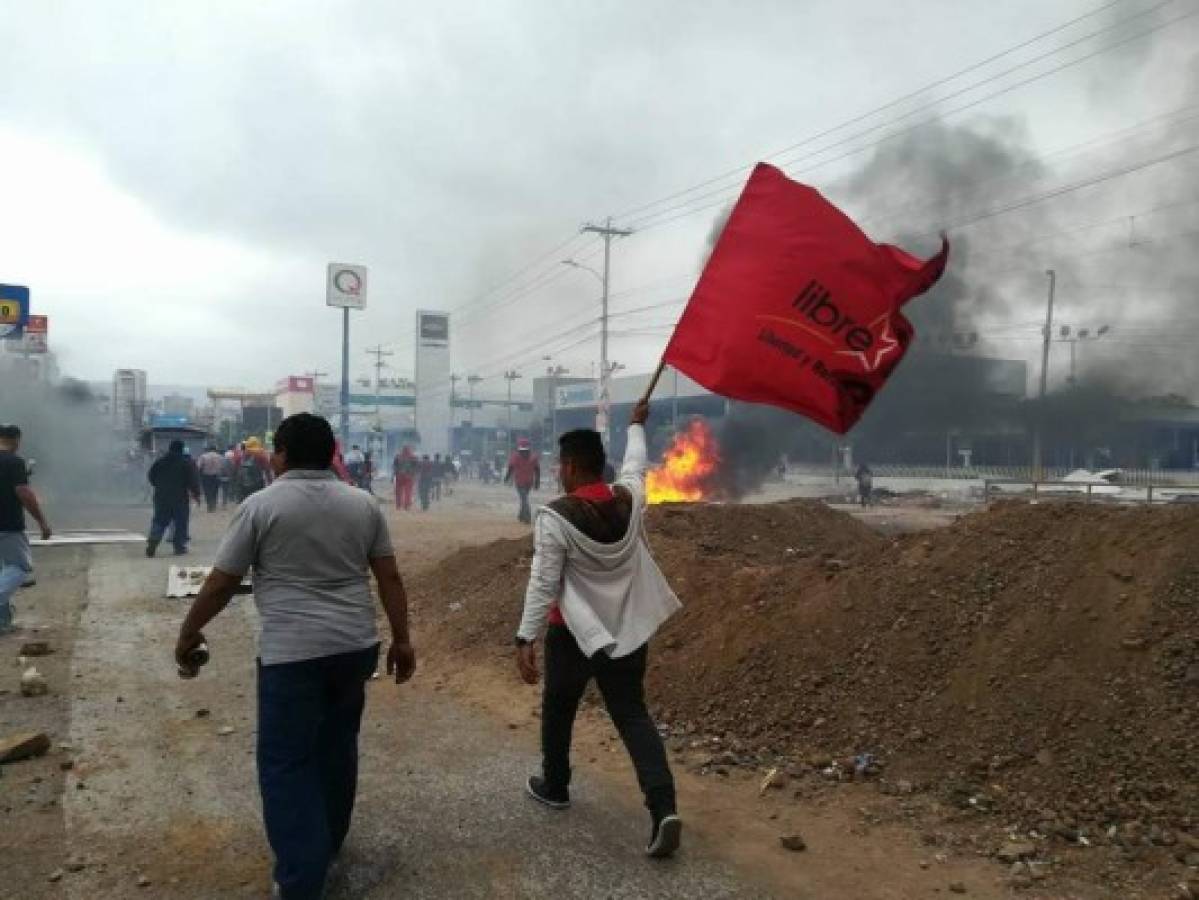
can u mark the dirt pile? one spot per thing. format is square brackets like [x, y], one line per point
[1042, 661]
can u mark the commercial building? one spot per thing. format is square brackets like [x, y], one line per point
[296, 394]
[129, 398]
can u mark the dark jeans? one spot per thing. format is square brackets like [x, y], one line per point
[621, 682]
[309, 713]
[525, 514]
[166, 513]
[212, 489]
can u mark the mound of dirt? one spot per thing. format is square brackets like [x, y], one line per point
[1042, 660]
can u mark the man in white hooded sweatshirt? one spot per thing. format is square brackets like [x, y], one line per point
[595, 583]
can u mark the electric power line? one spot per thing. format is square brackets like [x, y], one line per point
[727, 194]
[739, 170]
[519, 291]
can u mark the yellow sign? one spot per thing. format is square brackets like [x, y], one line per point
[10, 312]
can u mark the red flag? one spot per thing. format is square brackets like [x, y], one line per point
[797, 307]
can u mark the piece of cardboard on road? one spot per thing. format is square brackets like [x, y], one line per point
[186, 581]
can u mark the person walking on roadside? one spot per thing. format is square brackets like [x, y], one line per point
[368, 472]
[16, 499]
[355, 460]
[227, 473]
[211, 465]
[403, 471]
[865, 479]
[437, 475]
[524, 470]
[424, 482]
[174, 479]
[318, 644]
[593, 579]
[253, 469]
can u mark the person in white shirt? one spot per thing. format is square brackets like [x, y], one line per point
[595, 583]
[211, 465]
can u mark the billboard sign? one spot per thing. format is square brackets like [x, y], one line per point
[296, 384]
[434, 328]
[433, 384]
[37, 333]
[576, 395]
[14, 311]
[345, 286]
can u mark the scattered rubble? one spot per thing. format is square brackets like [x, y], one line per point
[33, 683]
[26, 745]
[1016, 852]
[997, 663]
[793, 842]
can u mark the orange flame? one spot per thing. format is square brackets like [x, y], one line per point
[688, 467]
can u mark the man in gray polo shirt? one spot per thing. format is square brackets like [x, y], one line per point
[312, 542]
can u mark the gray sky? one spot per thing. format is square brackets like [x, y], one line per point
[177, 174]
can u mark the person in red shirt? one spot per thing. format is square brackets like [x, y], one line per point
[403, 470]
[524, 471]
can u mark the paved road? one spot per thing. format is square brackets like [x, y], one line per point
[158, 792]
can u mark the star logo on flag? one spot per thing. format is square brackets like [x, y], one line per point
[885, 343]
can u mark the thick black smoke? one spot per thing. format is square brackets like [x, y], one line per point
[1122, 253]
[66, 433]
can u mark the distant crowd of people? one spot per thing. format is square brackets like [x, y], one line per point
[219, 479]
[430, 478]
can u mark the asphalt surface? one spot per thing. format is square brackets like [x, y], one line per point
[160, 794]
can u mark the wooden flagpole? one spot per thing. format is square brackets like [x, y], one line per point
[653, 382]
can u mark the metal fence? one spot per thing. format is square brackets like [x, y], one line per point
[1127, 477]
[1090, 492]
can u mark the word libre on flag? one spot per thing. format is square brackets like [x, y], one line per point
[797, 307]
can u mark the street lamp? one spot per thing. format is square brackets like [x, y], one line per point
[578, 265]
[1073, 336]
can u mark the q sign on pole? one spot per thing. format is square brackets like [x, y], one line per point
[345, 287]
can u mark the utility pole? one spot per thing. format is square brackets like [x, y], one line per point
[379, 354]
[314, 375]
[607, 232]
[510, 376]
[1047, 340]
[454, 379]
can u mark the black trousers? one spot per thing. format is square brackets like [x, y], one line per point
[622, 684]
[211, 485]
